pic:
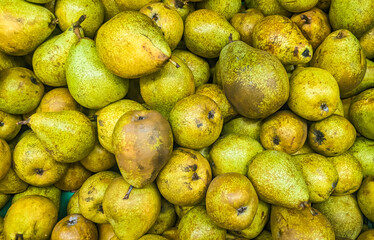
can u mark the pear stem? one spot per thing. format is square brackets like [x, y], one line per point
[128, 192]
[19, 236]
[24, 122]
[174, 63]
[77, 33]
[79, 22]
[55, 21]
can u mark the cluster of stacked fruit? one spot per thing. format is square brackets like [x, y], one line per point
[199, 119]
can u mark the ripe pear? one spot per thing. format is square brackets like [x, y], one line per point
[254, 81]
[11, 183]
[319, 173]
[182, 7]
[126, 5]
[365, 197]
[73, 204]
[196, 121]
[110, 9]
[9, 61]
[244, 126]
[341, 54]
[68, 12]
[366, 42]
[350, 173]
[206, 33]
[58, 100]
[331, 136]
[307, 224]
[152, 237]
[143, 143]
[6, 158]
[31, 217]
[74, 227]
[99, 159]
[298, 5]
[363, 150]
[107, 118]
[366, 83]
[367, 235]
[165, 219]
[264, 235]
[197, 225]
[20, 90]
[163, 89]
[67, 136]
[106, 231]
[129, 30]
[277, 180]
[268, 7]
[91, 195]
[344, 215]
[51, 192]
[74, 177]
[233, 153]
[4, 198]
[90, 83]
[185, 178]
[226, 8]
[24, 26]
[304, 149]
[281, 37]
[133, 213]
[244, 22]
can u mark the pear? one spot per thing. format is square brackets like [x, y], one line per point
[91, 195]
[363, 150]
[110, 9]
[226, 8]
[67, 136]
[107, 118]
[267, 7]
[74, 227]
[350, 173]
[73, 204]
[90, 83]
[343, 15]
[298, 5]
[366, 83]
[106, 231]
[304, 149]
[185, 178]
[308, 224]
[206, 33]
[51, 192]
[171, 233]
[163, 89]
[165, 219]
[39, 1]
[243, 126]
[254, 81]
[6, 158]
[367, 235]
[217, 74]
[264, 235]
[8, 61]
[24, 26]
[366, 42]
[129, 30]
[283, 131]
[281, 37]
[34, 165]
[143, 142]
[365, 198]
[133, 213]
[344, 215]
[20, 90]
[74, 177]
[152, 237]
[361, 113]
[58, 100]
[331, 136]
[198, 66]
[277, 180]
[196, 121]
[183, 210]
[4, 198]
[197, 225]
[12, 184]
[125, 5]
[31, 217]
[182, 7]
[319, 173]
[341, 54]
[168, 19]
[99, 159]
[244, 22]
[233, 153]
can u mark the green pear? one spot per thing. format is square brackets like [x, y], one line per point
[73, 204]
[152, 237]
[110, 9]
[250, 73]
[51, 192]
[320, 175]
[366, 83]
[307, 224]
[243, 126]
[366, 42]
[74, 227]
[99, 159]
[264, 235]
[294, 48]
[91, 196]
[4, 198]
[182, 7]
[268, 7]
[206, 33]
[34, 165]
[24, 26]
[8, 61]
[344, 215]
[298, 5]
[165, 219]
[12, 184]
[126, 5]
[117, 39]
[233, 153]
[244, 22]
[6, 159]
[365, 198]
[67, 136]
[226, 8]
[197, 225]
[133, 213]
[277, 179]
[90, 83]
[58, 100]
[74, 177]
[231, 201]
[363, 150]
[49, 59]
[163, 89]
[367, 235]
[20, 90]
[39, 1]
[68, 12]
[341, 54]
[354, 16]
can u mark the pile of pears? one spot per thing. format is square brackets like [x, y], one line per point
[187, 119]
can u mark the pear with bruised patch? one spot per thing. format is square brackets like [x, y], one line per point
[74, 227]
[143, 143]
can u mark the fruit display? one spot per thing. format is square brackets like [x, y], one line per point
[186, 119]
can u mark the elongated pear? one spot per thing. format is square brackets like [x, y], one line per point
[67, 136]
[49, 58]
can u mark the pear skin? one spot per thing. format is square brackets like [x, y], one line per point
[365, 198]
[363, 150]
[6, 159]
[74, 226]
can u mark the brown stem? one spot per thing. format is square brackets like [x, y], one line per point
[128, 192]
[24, 122]
[78, 23]
[55, 21]
[230, 38]
[19, 236]
[174, 63]
[77, 32]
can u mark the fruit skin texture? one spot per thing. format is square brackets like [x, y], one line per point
[226, 8]
[367, 235]
[117, 39]
[74, 226]
[363, 150]
[6, 158]
[365, 198]
[143, 143]
[254, 81]
[298, 6]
